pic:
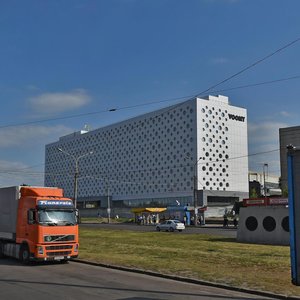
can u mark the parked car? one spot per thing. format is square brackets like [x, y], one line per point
[170, 225]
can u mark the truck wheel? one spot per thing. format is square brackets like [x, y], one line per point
[24, 254]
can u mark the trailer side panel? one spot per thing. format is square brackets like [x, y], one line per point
[9, 198]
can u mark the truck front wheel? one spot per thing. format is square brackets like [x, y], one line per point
[24, 254]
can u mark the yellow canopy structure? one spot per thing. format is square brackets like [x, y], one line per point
[148, 210]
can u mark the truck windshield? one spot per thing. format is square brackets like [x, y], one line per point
[52, 217]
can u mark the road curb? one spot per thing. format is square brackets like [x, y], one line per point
[188, 280]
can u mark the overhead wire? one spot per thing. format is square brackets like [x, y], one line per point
[173, 107]
[197, 94]
[145, 170]
[147, 103]
[252, 65]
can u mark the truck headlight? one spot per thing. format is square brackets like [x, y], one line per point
[40, 250]
[76, 248]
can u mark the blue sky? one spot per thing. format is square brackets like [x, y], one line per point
[62, 58]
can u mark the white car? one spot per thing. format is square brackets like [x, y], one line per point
[170, 225]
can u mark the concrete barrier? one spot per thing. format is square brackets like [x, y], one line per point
[264, 225]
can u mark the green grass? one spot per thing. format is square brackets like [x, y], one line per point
[105, 220]
[206, 257]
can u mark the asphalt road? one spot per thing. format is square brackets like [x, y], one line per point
[208, 229]
[80, 281]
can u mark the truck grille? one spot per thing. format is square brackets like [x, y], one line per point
[63, 247]
[59, 238]
[58, 253]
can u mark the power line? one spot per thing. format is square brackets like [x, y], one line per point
[251, 65]
[203, 92]
[258, 84]
[155, 102]
[187, 97]
[20, 171]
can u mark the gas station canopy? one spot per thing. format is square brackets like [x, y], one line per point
[148, 210]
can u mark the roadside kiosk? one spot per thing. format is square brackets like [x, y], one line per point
[147, 215]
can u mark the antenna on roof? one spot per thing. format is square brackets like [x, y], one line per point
[86, 127]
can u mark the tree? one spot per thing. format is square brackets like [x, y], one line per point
[284, 191]
[253, 193]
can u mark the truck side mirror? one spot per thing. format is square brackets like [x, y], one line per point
[31, 216]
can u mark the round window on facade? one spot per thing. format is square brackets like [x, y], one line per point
[285, 224]
[269, 223]
[251, 223]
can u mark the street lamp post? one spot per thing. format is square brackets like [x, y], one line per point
[108, 203]
[195, 191]
[76, 160]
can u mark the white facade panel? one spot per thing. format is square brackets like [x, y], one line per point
[222, 146]
[155, 155]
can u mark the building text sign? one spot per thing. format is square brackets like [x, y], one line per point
[236, 117]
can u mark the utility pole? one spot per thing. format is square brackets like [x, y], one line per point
[76, 160]
[195, 200]
[76, 182]
[195, 191]
[108, 203]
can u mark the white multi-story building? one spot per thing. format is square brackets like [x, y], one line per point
[152, 159]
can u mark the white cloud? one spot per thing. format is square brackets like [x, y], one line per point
[264, 137]
[59, 102]
[285, 114]
[14, 173]
[264, 133]
[11, 165]
[28, 135]
[32, 141]
[32, 87]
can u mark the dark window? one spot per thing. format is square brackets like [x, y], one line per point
[251, 223]
[285, 224]
[269, 223]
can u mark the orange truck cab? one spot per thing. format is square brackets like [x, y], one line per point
[37, 223]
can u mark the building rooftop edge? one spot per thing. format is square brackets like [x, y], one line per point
[79, 133]
[289, 128]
